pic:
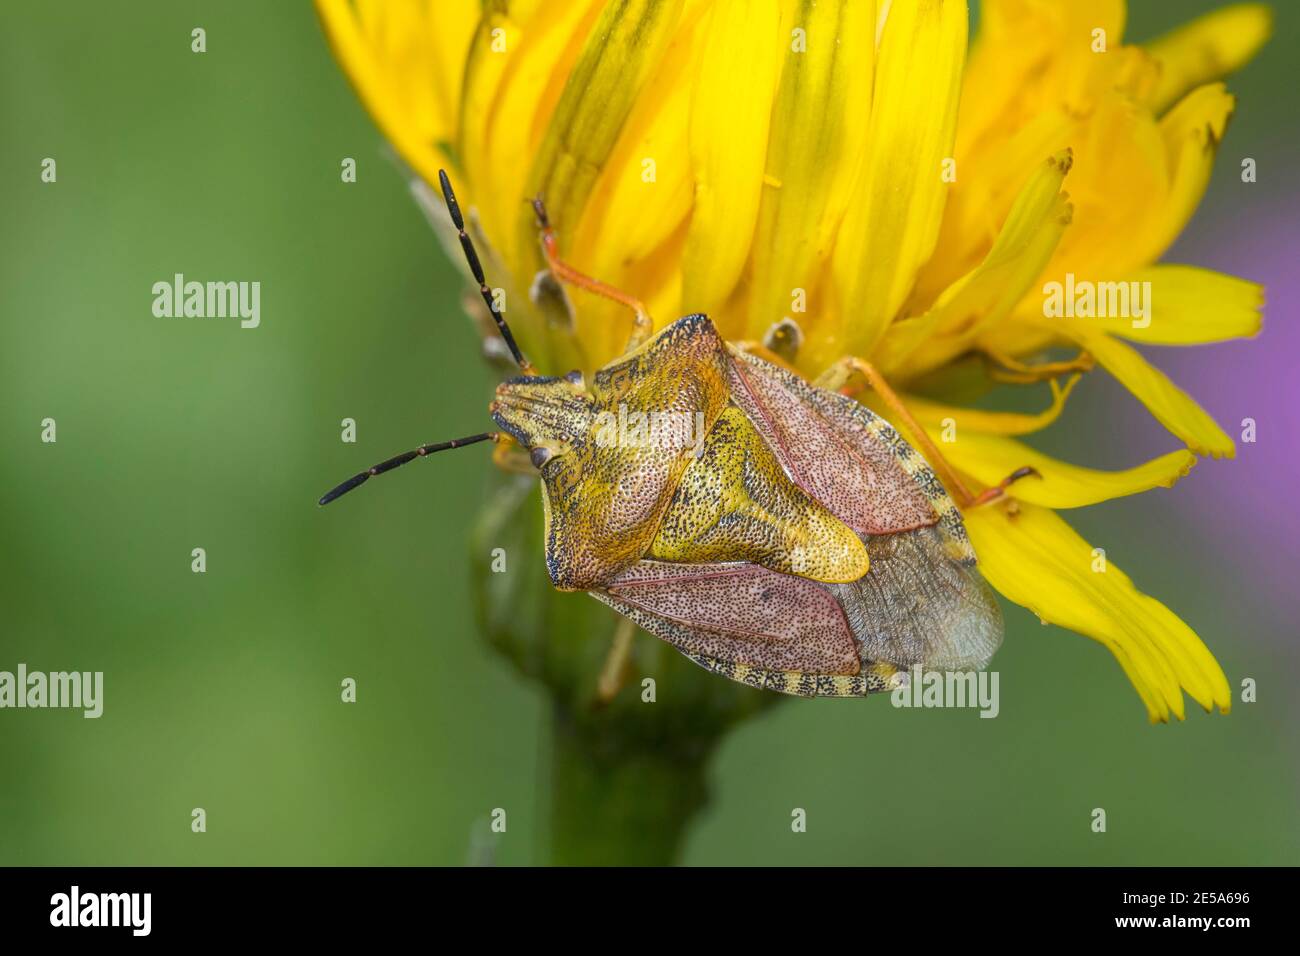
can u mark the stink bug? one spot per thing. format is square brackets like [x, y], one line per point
[774, 531]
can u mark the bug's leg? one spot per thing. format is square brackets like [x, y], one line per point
[997, 491]
[510, 456]
[1004, 368]
[642, 324]
[614, 671]
[837, 378]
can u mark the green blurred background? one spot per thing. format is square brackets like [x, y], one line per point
[222, 688]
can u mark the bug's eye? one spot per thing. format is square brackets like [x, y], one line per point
[540, 456]
[574, 378]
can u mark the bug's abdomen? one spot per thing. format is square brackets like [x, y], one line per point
[875, 679]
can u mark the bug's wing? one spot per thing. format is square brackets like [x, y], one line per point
[741, 613]
[790, 634]
[860, 482]
[922, 601]
[915, 606]
[846, 457]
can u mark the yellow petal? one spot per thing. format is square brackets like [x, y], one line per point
[422, 46]
[983, 297]
[515, 92]
[1191, 132]
[728, 147]
[898, 203]
[991, 458]
[1016, 338]
[1119, 186]
[643, 194]
[493, 47]
[1135, 183]
[1030, 56]
[1170, 405]
[623, 48]
[632, 226]
[1035, 559]
[1208, 48]
[405, 61]
[817, 132]
[1186, 306]
[994, 423]
[1030, 89]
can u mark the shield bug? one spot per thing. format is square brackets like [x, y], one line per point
[776, 532]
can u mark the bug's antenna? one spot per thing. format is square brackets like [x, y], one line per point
[471, 256]
[402, 459]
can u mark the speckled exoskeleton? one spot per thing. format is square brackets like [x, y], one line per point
[774, 531]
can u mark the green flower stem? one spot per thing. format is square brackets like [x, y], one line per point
[619, 806]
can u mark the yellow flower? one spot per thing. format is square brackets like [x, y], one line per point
[850, 167]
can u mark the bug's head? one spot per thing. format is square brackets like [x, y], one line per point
[549, 416]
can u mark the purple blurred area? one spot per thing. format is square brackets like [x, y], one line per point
[1248, 506]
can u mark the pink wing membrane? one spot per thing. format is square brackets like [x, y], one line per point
[740, 612]
[861, 483]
